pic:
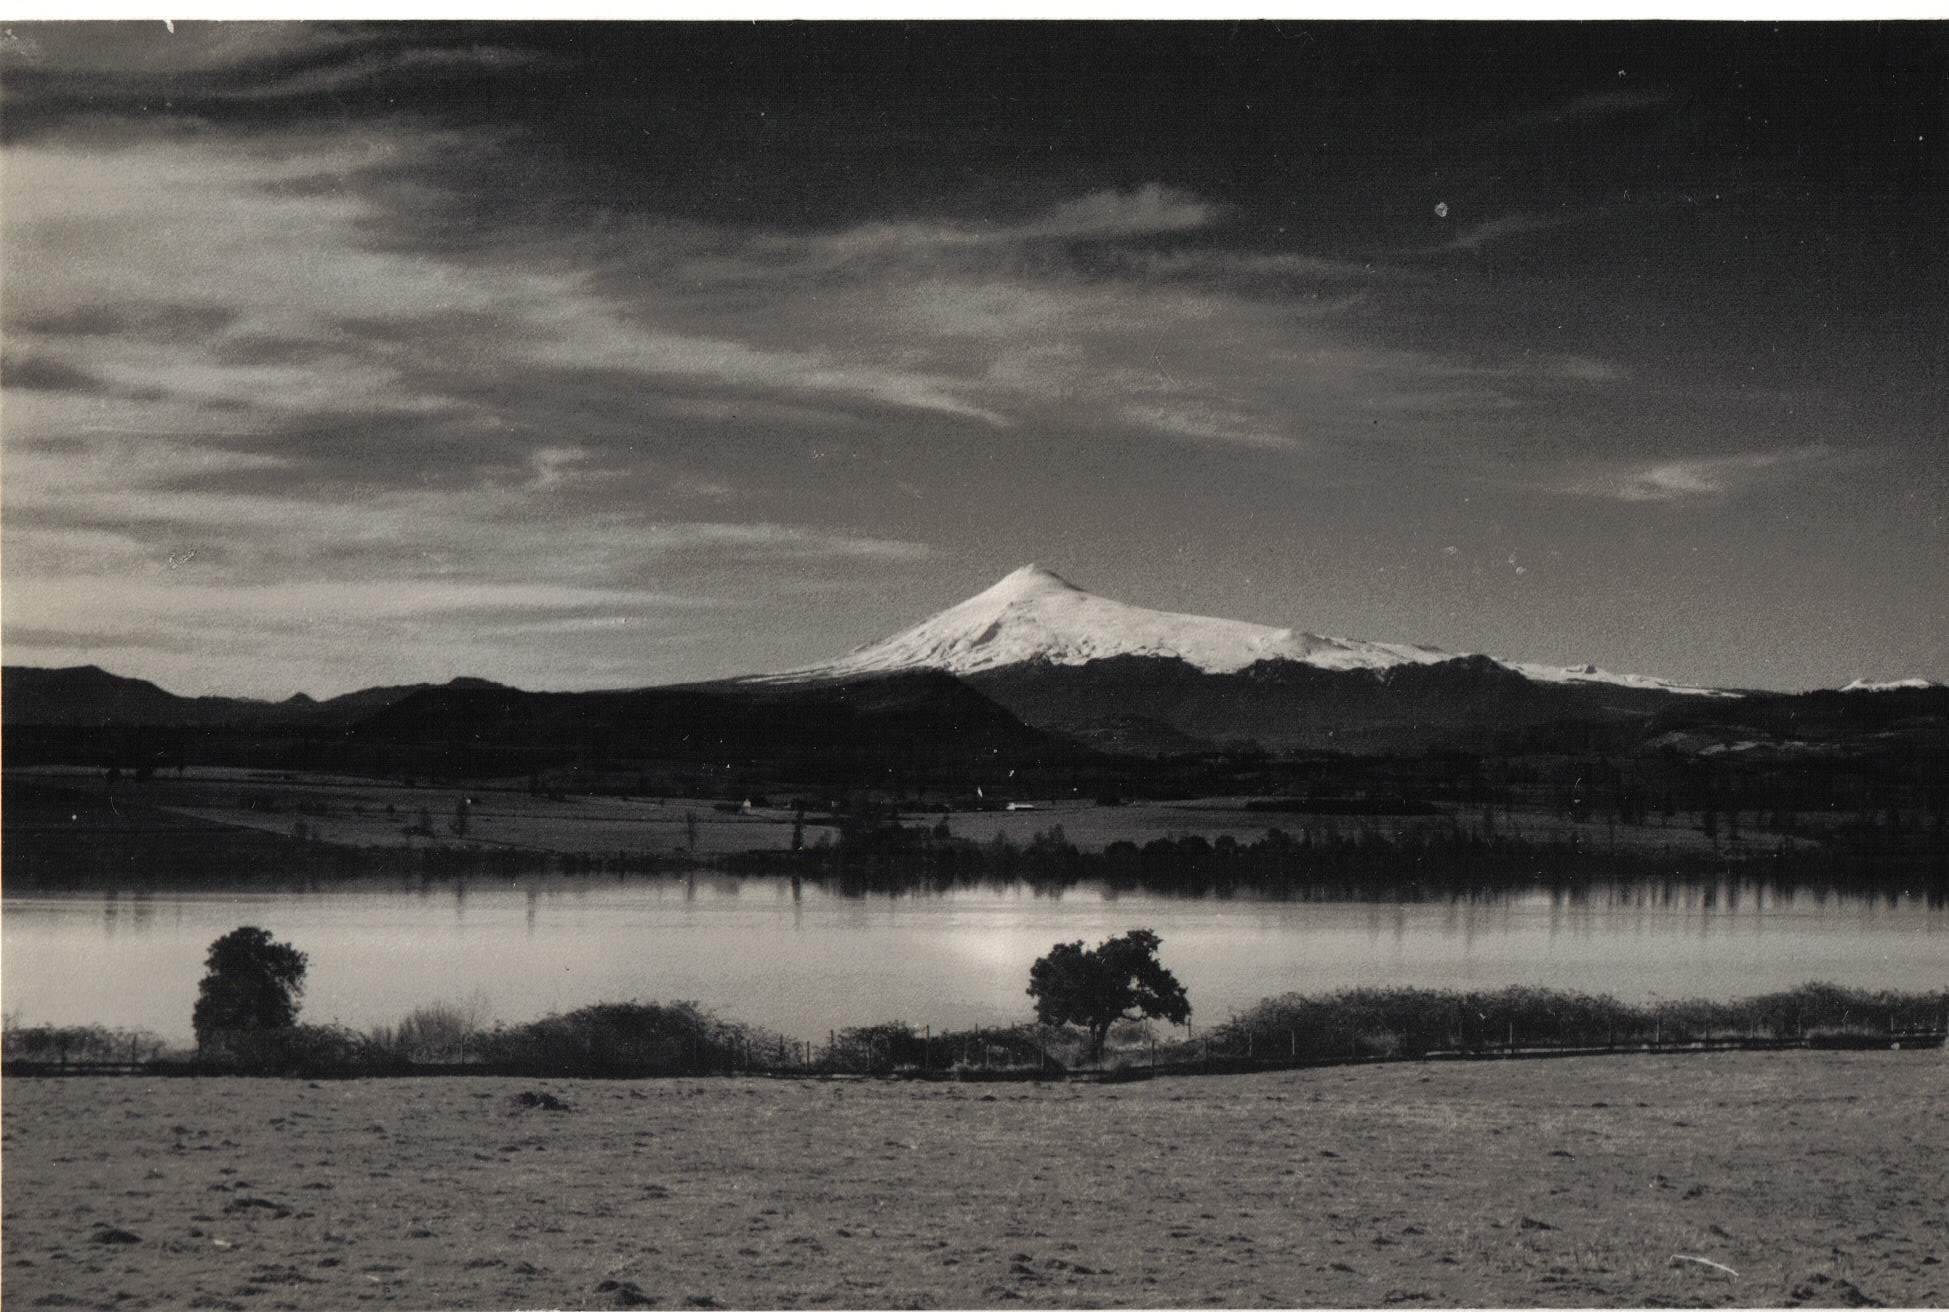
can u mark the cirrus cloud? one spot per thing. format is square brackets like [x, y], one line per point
[1696, 477]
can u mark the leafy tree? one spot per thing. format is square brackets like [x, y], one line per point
[1118, 979]
[251, 984]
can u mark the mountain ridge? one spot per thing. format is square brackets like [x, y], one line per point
[89, 696]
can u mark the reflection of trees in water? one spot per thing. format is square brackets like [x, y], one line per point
[1369, 868]
[1413, 865]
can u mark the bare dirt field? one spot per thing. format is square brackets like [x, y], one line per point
[1819, 1178]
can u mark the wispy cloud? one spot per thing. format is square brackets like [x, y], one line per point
[1099, 216]
[151, 496]
[1151, 208]
[1261, 272]
[1210, 425]
[1695, 478]
[588, 337]
[108, 66]
[1590, 107]
[112, 256]
[1501, 228]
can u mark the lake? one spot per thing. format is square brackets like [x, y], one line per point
[805, 961]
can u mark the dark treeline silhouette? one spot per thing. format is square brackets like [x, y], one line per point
[1411, 864]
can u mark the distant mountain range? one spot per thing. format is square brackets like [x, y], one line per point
[89, 696]
[1032, 674]
[902, 728]
[1126, 679]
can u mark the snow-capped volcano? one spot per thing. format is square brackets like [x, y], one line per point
[1034, 615]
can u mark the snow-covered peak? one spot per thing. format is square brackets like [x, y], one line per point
[1035, 615]
[1027, 582]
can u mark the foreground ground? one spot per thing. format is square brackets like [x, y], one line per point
[1819, 1178]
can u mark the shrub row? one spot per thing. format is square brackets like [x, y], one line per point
[607, 1040]
[898, 1047]
[635, 1040]
[619, 1040]
[1414, 1022]
[80, 1045]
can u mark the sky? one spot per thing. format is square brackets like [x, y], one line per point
[583, 355]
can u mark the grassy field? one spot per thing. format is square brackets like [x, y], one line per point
[1818, 1178]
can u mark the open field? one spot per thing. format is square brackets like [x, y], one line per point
[378, 813]
[374, 813]
[1820, 1178]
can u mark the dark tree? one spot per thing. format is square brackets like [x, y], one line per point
[252, 984]
[1118, 979]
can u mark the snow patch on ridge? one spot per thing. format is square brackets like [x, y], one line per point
[1591, 674]
[1886, 685]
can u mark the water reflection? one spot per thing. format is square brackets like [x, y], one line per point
[802, 957]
